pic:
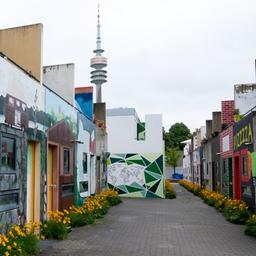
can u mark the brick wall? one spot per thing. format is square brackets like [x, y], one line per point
[228, 136]
[227, 111]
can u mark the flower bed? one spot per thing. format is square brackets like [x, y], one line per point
[235, 211]
[24, 240]
[194, 188]
[59, 223]
[20, 241]
[169, 192]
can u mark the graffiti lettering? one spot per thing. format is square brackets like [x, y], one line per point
[245, 135]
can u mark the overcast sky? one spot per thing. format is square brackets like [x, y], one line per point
[175, 57]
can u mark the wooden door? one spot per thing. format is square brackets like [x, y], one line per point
[33, 181]
[230, 175]
[52, 178]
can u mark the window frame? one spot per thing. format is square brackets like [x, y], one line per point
[11, 192]
[66, 149]
[8, 170]
[70, 185]
[84, 181]
[85, 156]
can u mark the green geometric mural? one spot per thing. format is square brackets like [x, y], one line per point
[136, 175]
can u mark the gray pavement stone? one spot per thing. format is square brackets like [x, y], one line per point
[180, 227]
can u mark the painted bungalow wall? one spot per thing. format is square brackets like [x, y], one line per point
[39, 146]
[21, 103]
[226, 158]
[244, 159]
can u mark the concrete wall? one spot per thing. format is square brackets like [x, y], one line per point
[207, 154]
[245, 97]
[216, 121]
[60, 79]
[24, 46]
[208, 129]
[122, 134]
[187, 162]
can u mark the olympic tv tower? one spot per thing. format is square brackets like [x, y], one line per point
[98, 75]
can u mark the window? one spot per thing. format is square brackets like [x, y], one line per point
[67, 190]
[9, 201]
[246, 191]
[244, 166]
[84, 163]
[83, 186]
[91, 163]
[66, 161]
[7, 153]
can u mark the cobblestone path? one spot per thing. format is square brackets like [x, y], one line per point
[181, 227]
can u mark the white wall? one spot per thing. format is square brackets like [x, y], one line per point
[17, 83]
[122, 134]
[83, 136]
[60, 79]
[245, 97]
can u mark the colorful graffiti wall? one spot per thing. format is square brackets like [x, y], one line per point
[43, 140]
[137, 175]
[244, 159]
[22, 104]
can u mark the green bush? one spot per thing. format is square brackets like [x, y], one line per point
[170, 195]
[236, 216]
[114, 200]
[169, 191]
[210, 201]
[28, 244]
[250, 229]
[78, 220]
[53, 229]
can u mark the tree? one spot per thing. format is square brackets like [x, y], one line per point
[173, 156]
[176, 134]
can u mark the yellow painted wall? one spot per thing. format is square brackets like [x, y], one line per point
[37, 181]
[23, 45]
[33, 179]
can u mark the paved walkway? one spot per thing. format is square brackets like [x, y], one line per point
[181, 227]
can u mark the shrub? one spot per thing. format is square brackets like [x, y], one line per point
[213, 198]
[236, 211]
[77, 219]
[53, 229]
[114, 200]
[29, 244]
[169, 192]
[19, 241]
[194, 188]
[250, 229]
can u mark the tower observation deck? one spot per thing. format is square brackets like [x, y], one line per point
[98, 63]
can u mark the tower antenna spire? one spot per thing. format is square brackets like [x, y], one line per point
[98, 63]
[98, 14]
[98, 40]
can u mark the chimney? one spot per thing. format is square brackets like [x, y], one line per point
[216, 121]
[208, 129]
